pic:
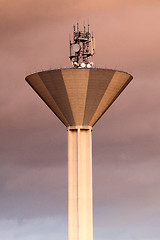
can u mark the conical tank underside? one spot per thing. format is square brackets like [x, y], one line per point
[79, 97]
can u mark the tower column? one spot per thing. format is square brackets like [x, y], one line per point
[80, 210]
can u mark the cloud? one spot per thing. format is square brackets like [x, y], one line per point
[31, 230]
[32, 193]
[33, 143]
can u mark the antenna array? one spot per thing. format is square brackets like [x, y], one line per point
[82, 47]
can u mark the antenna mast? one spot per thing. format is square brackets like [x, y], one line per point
[82, 47]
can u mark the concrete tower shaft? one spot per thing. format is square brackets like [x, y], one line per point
[79, 97]
[80, 209]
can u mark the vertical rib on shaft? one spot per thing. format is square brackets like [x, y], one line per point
[80, 209]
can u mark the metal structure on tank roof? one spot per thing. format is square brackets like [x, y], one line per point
[82, 47]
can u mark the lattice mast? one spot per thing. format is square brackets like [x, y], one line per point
[82, 47]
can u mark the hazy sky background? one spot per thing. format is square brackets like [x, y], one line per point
[126, 141]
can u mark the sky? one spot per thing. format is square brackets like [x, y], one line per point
[34, 36]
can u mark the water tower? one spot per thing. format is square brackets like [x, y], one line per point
[79, 96]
